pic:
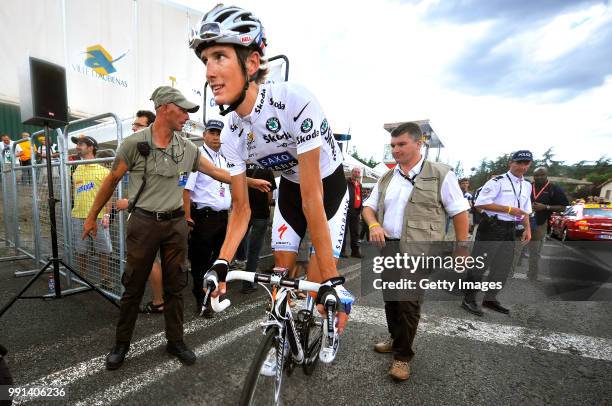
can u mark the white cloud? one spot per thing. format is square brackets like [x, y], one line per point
[370, 63]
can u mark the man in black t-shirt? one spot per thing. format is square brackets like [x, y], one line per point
[546, 198]
[260, 214]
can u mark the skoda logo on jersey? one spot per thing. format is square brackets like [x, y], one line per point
[324, 126]
[278, 162]
[306, 125]
[273, 124]
[276, 137]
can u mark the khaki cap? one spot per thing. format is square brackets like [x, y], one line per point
[167, 94]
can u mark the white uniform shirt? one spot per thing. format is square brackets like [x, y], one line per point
[42, 151]
[399, 191]
[206, 191]
[286, 121]
[6, 149]
[500, 190]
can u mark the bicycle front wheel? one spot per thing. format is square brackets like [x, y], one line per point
[263, 382]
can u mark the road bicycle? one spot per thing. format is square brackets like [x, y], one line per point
[288, 342]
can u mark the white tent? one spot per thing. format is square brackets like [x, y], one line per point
[368, 174]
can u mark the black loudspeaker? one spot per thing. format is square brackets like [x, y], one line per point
[43, 94]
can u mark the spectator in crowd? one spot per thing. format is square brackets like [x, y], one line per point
[206, 210]
[86, 182]
[143, 119]
[546, 197]
[506, 205]
[260, 215]
[25, 159]
[6, 145]
[353, 217]
[364, 234]
[464, 184]
[41, 150]
[419, 192]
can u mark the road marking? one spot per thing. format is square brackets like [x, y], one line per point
[139, 382]
[95, 365]
[516, 336]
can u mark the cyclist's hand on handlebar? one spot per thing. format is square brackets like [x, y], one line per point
[344, 300]
[217, 274]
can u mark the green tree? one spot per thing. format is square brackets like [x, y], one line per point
[368, 162]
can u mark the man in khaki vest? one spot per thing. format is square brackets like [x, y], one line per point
[410, 204]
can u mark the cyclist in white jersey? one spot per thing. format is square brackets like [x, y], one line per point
[281, 127]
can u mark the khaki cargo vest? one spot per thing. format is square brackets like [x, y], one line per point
[424, 216]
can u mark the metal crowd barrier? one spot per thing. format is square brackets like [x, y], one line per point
[101, 261]
[25, 229]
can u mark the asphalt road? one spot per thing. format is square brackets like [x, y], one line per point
[548, 351]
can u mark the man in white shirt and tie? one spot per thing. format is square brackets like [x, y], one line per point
[207, 212]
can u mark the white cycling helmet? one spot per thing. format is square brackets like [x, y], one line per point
[232, 26]
[228, 25]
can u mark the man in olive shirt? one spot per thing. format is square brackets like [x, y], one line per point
[163, 158]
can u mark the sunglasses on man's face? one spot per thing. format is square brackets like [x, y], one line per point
[138, 125]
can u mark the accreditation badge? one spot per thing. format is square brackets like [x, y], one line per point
[182, 179]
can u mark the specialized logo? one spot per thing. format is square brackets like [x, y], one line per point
[300, 113]
[272, 124]
[278, 162]
[281, 231]
[278, 105]
[276, 137]
[324, 126]
[100, 60]
[306, 125]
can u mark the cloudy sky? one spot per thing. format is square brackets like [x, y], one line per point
[492, 75]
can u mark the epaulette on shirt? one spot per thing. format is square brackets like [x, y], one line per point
[498, 177]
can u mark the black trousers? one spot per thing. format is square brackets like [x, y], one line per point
[495, 243]
[402, 310]
[204, 245]
[353, 220]
[145, 237]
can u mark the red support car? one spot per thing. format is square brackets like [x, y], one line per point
[583, 222]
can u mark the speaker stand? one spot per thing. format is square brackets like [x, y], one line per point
[54, 261]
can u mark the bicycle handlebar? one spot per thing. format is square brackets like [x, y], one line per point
[274, 280]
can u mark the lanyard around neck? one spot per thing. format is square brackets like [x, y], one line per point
[518, 200]
[411, 179]
[536, 195]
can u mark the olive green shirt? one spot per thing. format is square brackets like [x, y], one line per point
[167, 170]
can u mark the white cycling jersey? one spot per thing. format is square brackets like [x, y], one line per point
[286, 120]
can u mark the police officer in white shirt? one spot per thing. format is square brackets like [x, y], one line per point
[207, 213]
[506, 204]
